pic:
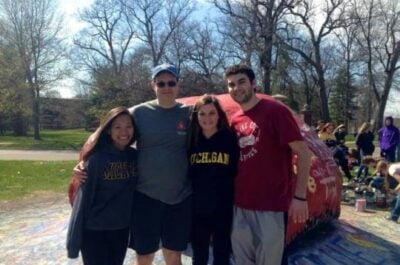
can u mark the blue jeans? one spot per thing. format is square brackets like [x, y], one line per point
[395, 213]
[362, 172]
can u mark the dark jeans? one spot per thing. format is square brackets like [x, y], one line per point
[362, 172]
[398, 153]
[395, 213]
[341, 160]
[217, 226]
[104, 247]
[389, 155]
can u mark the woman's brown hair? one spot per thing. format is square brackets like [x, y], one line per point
[381, 165]
[101, 136]
[195, 127]
[364, 127]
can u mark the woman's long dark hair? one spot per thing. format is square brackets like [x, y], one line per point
[222, 124]
[101, 136]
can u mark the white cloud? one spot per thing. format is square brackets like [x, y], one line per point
[70, 9]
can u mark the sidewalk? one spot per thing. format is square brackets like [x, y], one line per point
[50, 155]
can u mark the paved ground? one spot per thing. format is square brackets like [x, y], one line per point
[38, 155]
[32, 231]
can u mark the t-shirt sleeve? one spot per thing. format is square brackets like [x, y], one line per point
[235, 152]
[286, 127]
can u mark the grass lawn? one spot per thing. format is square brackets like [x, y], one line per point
[21, 178]
[51, 140]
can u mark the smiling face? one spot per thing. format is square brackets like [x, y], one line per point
[207, 116]
[330, 129]
[166, 88]
[121, 131]
[241, 89]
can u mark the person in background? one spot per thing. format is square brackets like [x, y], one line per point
[363, 171]
[340, 133]
[326, 134]
[364, 140]
[388, 139]
[319, 126]
[380, 176]
[213, 156]
[394, 186]
[264, 192]
[353, 158]
[339, 151]
[102, 209]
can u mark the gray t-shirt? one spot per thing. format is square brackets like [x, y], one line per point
[162, 153]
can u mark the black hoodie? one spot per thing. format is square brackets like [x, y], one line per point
[213, 164]
[104, 201]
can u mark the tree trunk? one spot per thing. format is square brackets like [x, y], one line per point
[36, 116]
[381, 106]
[323, 97]
[267, 79]
[266, 65]
[390, 71]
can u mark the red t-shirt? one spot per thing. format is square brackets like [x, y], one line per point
[265, 171]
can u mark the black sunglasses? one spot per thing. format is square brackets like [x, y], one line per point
[162, 84]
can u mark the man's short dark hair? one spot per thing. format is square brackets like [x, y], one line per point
[240, 69]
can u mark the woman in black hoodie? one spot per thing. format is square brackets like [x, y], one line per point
[213, 158]
[102, 208]
[364, 140]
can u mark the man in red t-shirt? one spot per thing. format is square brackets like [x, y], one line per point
[268, 135]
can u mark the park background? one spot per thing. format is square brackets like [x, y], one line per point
[336, 59]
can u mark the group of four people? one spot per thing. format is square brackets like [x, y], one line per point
[229, 182]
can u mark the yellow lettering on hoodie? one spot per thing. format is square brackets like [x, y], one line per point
[210, 158]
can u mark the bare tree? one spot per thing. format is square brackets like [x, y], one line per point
[157, 21]
[309, 40]
[107, 38]
[253, 27]
[296, 79]
[206, 56]
[349, 61]
[379, 40]
[34, 29]
[104, 47]
[307, 80]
